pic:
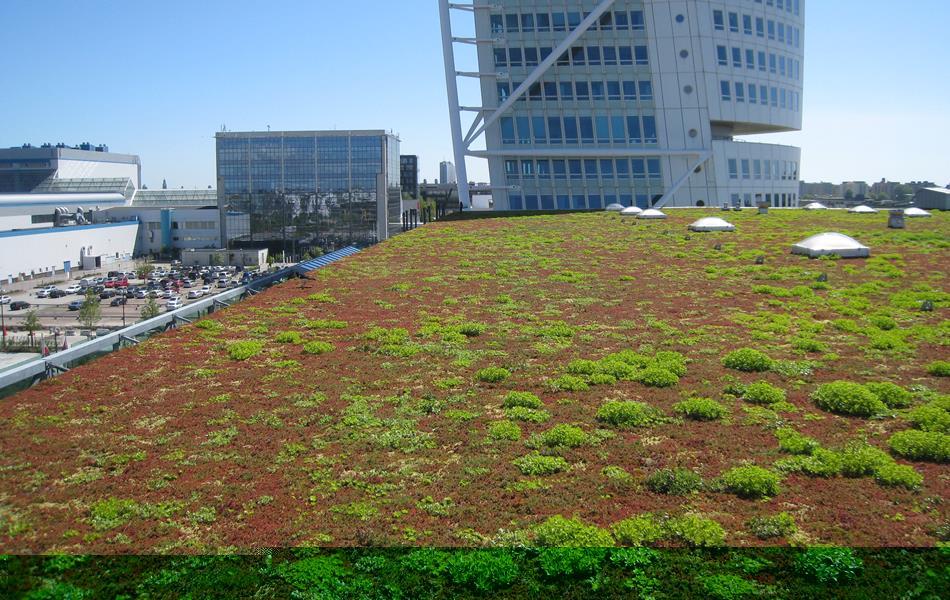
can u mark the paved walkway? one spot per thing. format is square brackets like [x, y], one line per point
[11, 359]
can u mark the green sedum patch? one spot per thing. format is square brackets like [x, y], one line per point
[847, 398]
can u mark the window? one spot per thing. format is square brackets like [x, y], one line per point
[653, 168]
[543, 21]
[575, 168]
[618, 133]
[637, 22]
[747, 24]
[507, 130]
[745, 169]
[646, 90]
[570, 130]
[511, 23]
[610, 56]
[740, 92]
[587, 129]
[530, 57]
[649, 130]
[524, 131]
[633, 130]
[757, 168]
[760, 27]
[558, 22]
[734, 22]
[606, 168]
[527, 23]
[639, 168]
[597, 90]
[737, 58]
[722, 55]
[540, 132]
[544, 169]
[640, 53]
[583, 92]
[560, 169]
[567, 90]
[718, 21]
[603, 130]
[501, 57]
[733, 169]
[550, 90]
[621, 22]
[752, 99]
[613, 90]
[514, 57]
[497, 24]
[554, 130]
[629, 90]
[504, 90]
[623, 168]
[750, 59]
[725, 90]
[762, 66]
[511, 169]
[593, 55]
[590, 168]
[577, 56]
[626, 55]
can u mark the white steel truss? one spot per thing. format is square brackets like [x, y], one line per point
[485, 117]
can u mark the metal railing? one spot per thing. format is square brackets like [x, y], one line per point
[25, 375]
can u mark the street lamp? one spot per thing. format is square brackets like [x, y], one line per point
[55, 340]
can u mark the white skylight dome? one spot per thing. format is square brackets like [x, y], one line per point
[615, 207]
[916, 212]
[712, 224]
[631, 211]
[862, 210]
[831, 243]
[651, 213]
[816, 206]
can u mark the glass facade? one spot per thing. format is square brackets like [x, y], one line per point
[305, 190]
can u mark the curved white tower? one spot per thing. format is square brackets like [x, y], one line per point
[641, 102]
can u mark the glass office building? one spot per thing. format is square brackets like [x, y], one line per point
[308, 189]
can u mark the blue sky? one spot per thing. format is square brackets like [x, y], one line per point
[159, 78]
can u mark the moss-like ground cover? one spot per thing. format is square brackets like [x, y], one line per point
[372, 405]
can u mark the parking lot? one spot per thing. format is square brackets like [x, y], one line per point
[166, 285]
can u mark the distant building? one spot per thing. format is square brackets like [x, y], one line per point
[25, 168]
[857, 188]
[309, 189]
[447, 175]
[814, 190]
[933, 198]
[409, 174]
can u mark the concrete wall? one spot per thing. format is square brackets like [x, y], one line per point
[43, 250]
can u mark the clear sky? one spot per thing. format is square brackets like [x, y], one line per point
[159, 77]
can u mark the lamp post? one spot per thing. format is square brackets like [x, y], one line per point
[3, 326]
[124, 300]
[56, 339]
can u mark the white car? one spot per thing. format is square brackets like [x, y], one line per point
[73, 289]
[43, 292]
[206, 289]
[194, 294]
[173, 304]
[5, 299]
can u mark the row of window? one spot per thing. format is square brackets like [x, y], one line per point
[589, 168]
[641, 90]
[773, 30]
[766, 96]
[570, 129]
[789, 6]
[777, 64]
[560, 21]
[785, 170]
[578, 201]
[780, 200]
[577, 56]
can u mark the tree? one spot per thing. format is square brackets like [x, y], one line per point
[144, 270]
[150, 309]
[31, 324]
[90, 312]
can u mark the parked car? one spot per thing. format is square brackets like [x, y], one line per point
[194, 294]
[223, 283]
[57, 293]
[106, 294]
[141, 294]
[43, 292]
[5, 299]
[75, 304]
[118, 301]
[173, 304]
[206, 289]
[19, 305]
[74, 289]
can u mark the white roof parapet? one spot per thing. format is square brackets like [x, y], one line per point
[825, 244]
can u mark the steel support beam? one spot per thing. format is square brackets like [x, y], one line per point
[705, 156]
[451, 86]
[542, 68]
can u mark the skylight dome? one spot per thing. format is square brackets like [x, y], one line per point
[816, 206]
[631, 211]
[832, 242]
[712, 224]
[862, 210]
[614, 207]
[651, 213]
[916, 212]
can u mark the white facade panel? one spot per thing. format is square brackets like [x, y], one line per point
[41, 251]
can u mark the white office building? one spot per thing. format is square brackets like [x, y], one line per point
[586, 103]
